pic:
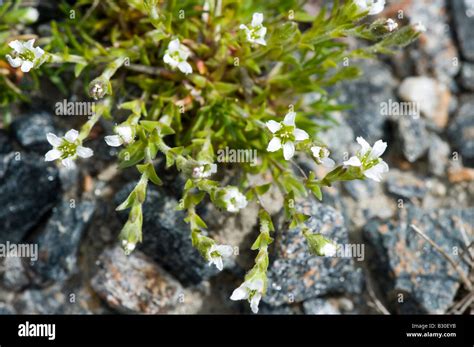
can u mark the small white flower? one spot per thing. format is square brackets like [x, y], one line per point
[66, 148]
[233, 199]
[204, 170]
[419, 27]
[391, 25]
[372, 6]
[368, 159]
[31, 15]
[176, 56]
[256, 32]
[321, 155]
[216, 253]
[128, 246]
[251, 290]
[25, 55]
[285, 134]
[124, 136]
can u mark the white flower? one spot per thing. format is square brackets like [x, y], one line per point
[419, 27]
[25, 55]
[204, 170]
[285, 134]
[217, 252]
[368, 159]
[251, 290]
[256, 32]
[66, 148]
[176, 56]
[124, 136]
[128, 246]
[391, 25]
[372, 6]
[31, 15]
[233, 199]
[321, 155]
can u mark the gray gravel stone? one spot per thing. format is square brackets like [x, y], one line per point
[135, 284]
[414, 137]
[29, 187]
[366, 95]
[461, 130]
[438, 155]
[463, 11]
[413, 275]
[58, 243]
[5, 144]
[405, 184]
[13, 274]
[295, 275]
[467, 76]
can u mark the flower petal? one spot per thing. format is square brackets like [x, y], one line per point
[113, 140]
[26, 66]
[68, 163]
[257, 19]
[71, 135]
[274, 145]
[300, 135]
[17, 46]
[288, 150]
[273, 126]
[378, 149]
[84, 152]
[170, 61]
[353, 161]
[240, 293]
[289, 119]
[53, 140]
[125, 132]
[225, 250]
[328, 162]
[364, 144]
[218, 262]
[174, 45]
[53, 155]
[185, 67]
[14, 62]
[255, 301]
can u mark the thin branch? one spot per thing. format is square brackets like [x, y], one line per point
[377, 302]
[455, 265]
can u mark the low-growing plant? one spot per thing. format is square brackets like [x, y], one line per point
[200, 76]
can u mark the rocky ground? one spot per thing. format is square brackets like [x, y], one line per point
[71, 214]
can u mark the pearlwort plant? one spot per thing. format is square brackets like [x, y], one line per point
[199, 76]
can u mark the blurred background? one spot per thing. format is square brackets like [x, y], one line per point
[70, 214]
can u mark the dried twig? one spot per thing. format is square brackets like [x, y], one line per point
[377, 302]
[455, 265]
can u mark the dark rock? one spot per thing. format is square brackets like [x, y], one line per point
[463, 12]
[414, 137]
[28, 189]
[439, 155]
[295, 275]
[405, 185]
[414, 276]
[30, 131]
[361, 190]
[166, 237]
[13, 274]
[135, 284]
[461, 130]
[366, 95]
[59, 242]
[467, 76]
[266, 309]
[5, 144]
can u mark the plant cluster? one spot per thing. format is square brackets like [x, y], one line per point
[198, 76]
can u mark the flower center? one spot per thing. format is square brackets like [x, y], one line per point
[286, 133]
[68, 149]
[27, 55]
